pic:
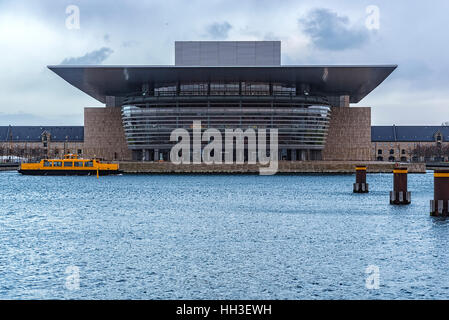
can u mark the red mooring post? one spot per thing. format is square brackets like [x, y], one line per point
[360, 185]
[439, 205]
[400, 195]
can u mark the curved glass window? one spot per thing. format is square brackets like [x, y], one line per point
[299, 126]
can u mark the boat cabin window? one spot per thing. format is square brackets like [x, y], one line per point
[88, 164]
[68, 164]
[47, 163]
[78, 163]
[57, 164]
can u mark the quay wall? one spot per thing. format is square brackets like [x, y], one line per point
[285, 167]
[9, 167]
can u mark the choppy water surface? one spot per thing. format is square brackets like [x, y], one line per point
[218, 237]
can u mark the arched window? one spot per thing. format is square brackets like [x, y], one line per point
[391, 151]
[391, 159]
[379, 151]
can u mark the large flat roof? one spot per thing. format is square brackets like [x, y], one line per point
[102, 81]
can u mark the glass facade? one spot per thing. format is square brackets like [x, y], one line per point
[302, 121]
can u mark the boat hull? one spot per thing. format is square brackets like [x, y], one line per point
[68, 172]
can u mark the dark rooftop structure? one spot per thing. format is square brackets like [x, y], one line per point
[227, 53]
[102, 81]
[408, 133]
[34, 133]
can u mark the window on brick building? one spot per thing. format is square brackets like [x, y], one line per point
[379, 151]
[391, 151]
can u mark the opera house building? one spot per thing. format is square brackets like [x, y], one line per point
[227, 84]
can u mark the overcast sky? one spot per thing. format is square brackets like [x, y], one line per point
[34, 34]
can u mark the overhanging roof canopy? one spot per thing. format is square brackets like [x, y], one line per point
[102, 81]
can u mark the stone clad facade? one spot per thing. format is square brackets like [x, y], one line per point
[104, 136]
[349, 136]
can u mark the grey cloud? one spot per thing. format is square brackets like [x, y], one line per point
[219, 31]
[411, 39]
[129, 43]
[330, 31]
[93, 57]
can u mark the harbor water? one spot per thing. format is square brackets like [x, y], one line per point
[218, 237]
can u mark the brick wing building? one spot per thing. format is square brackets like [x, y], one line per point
[36, 142]
[410, 143]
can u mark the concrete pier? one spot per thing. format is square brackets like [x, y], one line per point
[439, 206]
[400, 195]
[360, 185]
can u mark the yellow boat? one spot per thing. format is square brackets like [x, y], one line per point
[70, 165]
